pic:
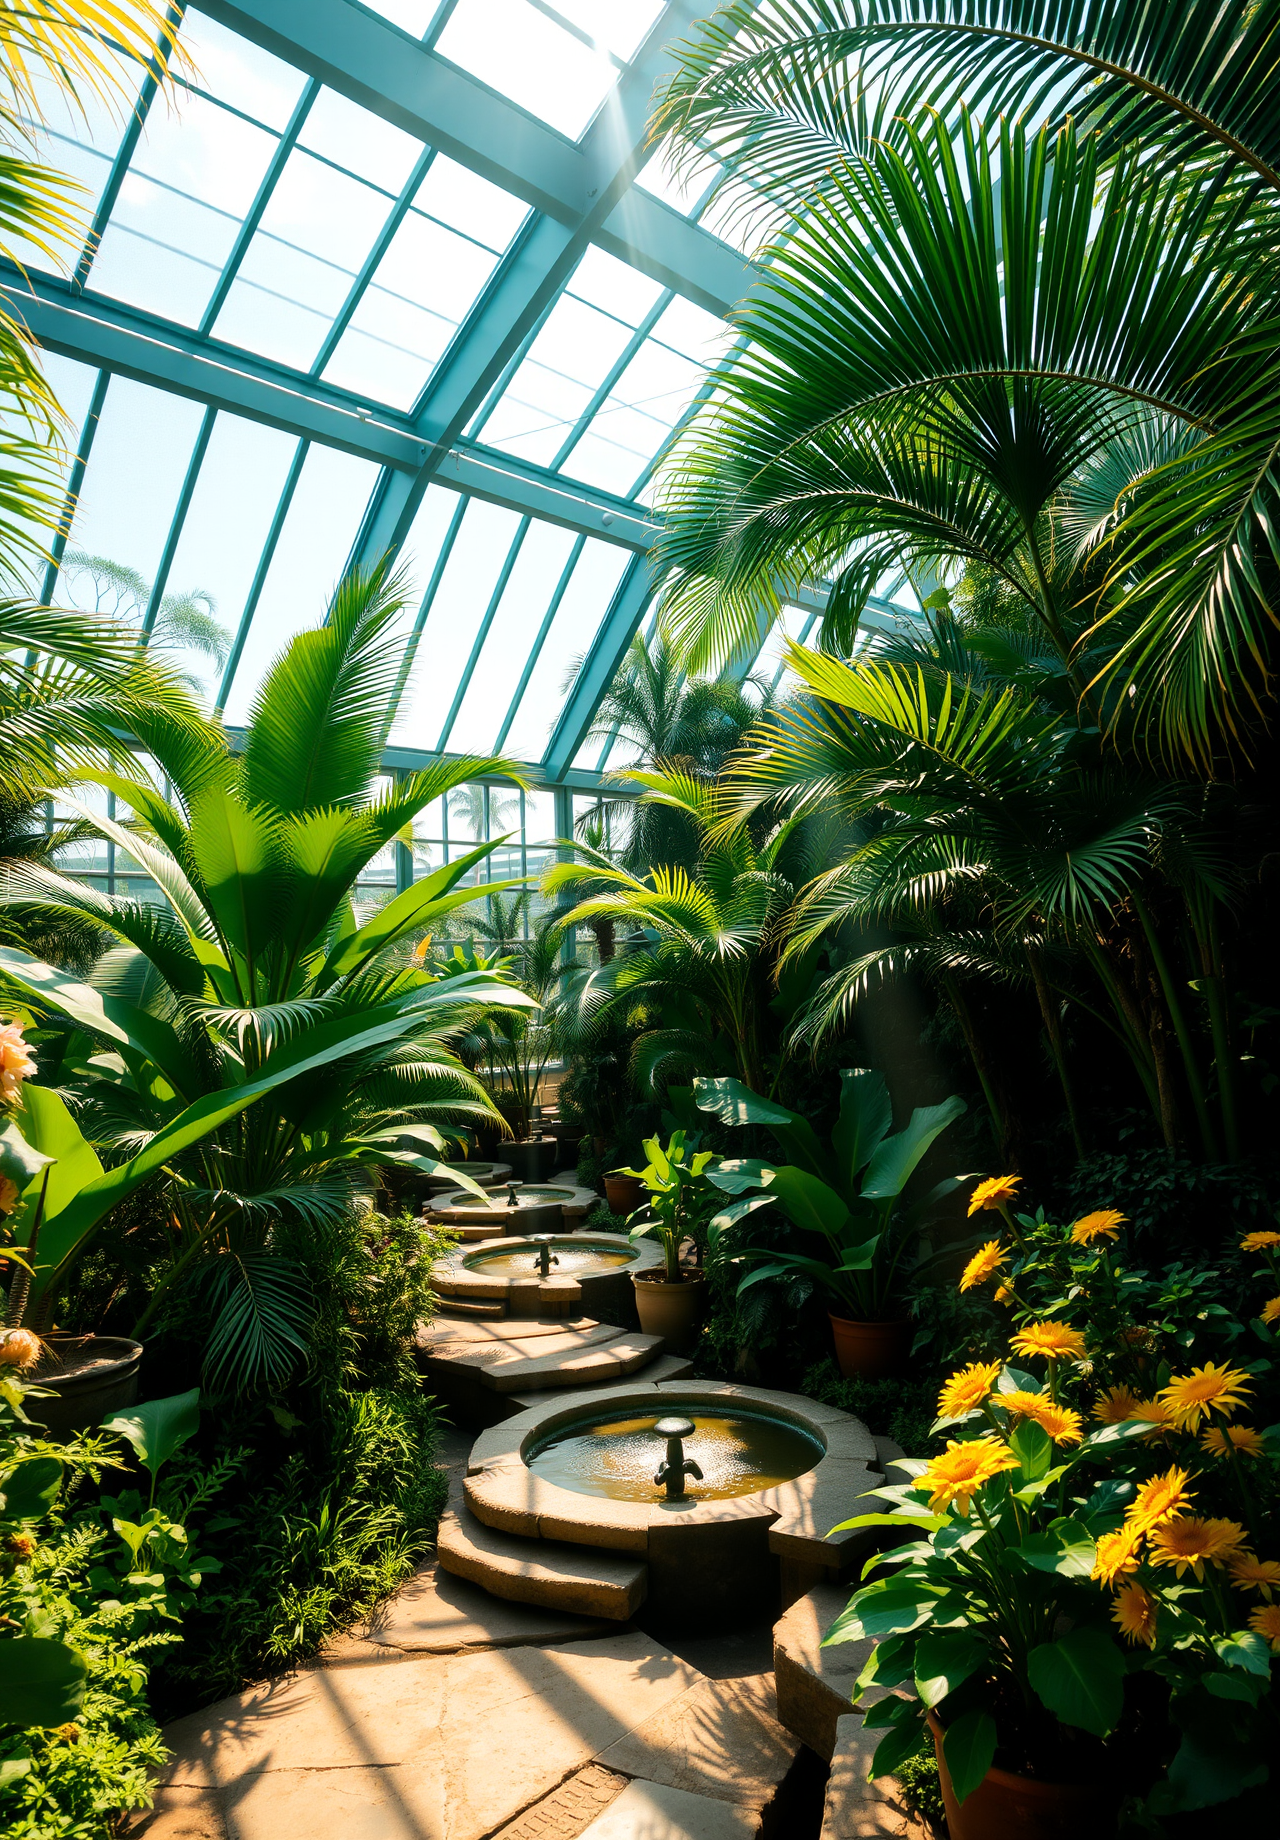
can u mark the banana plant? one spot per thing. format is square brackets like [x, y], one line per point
[846, 1192]
[258, 1043]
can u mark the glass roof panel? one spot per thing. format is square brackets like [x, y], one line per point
[412, 16]
[80, 143]
[517, 49]
[239, 73]
[73, 385]
[604, 282]
[615, 25]
[577, 620]
[359, 141]
[573, 353]
[315, 540]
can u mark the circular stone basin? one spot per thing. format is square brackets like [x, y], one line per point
[738, 1452]
[488, 1175]
[539, 1207]
[572, 1255]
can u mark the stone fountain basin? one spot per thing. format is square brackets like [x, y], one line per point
[488, 1175]
[541, 1207]
[505, 1271]
[710, 1563]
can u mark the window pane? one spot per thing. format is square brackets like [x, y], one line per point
[604, 282]
[80, 142]
[617, 25]
[319, 529]
[567, 361]
[525, 599]
[241, 74]
[521, 53]
[635, 419]
[73, 384]
[341, 131]
[315, 233]
[577, 621]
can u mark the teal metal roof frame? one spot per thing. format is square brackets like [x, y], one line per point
[469, 335]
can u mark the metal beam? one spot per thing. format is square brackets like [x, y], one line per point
[617, 630]
[386, 71]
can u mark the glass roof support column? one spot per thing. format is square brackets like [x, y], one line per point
[75, 482]
[178, 519]
[124, 154]
[260, 574]
[538, 643]
[617, 630]
[499, 589]
[249, 228]
[615, 371]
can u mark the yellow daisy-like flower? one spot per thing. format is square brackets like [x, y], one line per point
[1116, 1554]
[1270, 1310]
[1191, 1397]
[1191, 1543]
[967, 1389]
[1115, 1405]
[1249, 1573]
[1021, 1403]
[1155, 1412]
[1056, 1341]
[1104, 1224]
[1221, 1440]
[1134, 1612]
[1005, 1296]
[964, 1468]
[985, 1260]
[1160, 1499]
[1253, 1242]
[1265, 1622]
[996, 1191]
[1063, 1425]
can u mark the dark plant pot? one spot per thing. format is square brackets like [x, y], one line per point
[673, 1311]
[1009, 1807]
[872, 1349]
[532, 1159]
[599, 1144]
[89, 1377]
[623, 1194]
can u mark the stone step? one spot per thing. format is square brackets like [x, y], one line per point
[855, 1805]
[574, 1579]
[457, 1308]
[598, 1365]
[664, 1367]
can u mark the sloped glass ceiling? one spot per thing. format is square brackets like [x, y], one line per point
[260, 218]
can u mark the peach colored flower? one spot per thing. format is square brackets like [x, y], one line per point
[16, 1063]
[19, 1348]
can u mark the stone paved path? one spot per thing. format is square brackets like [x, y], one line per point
[461, 1717]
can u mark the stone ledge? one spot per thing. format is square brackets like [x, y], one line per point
[573, 1579]
[815, 1684]
[857, 1809]
[655, 1811]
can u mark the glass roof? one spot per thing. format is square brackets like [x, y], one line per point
[335, 321]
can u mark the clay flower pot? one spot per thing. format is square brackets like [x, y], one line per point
[673, 1311]
[871, 1349]
[89, 1376]
[1004, 1805]
[623, 1193]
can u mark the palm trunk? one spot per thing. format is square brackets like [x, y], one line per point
[1177, 1016]
[1000, 1117]
[1053, 1029]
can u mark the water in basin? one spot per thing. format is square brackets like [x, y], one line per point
[738, 1453]
[573, 1255]
[528, 1196]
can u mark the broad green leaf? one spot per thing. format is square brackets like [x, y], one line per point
[108, 1018]
[888, 1665]
[236, 850]
[51, 1128]
[158, 1428]
[895, 1160]
[1244, 1648]
[893, 1709]
[899, 1742]
[809, 1202]
[1065, 1548]
[866, 1113]
[735, 1175]
[426, 901]
[1080, 1678]
[969, 1746]
[736, 1104]
[20, 1162]
[41, 1681]
[1235, 1686]
[1033, 1448]
[945, 1658]
[31, 1490]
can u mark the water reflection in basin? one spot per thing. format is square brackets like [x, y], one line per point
[526, 1197]
[571, 1255]
[737, 1452]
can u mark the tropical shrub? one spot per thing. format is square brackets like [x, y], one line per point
[1090, 1597]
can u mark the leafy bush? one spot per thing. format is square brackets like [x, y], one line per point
[1171, 1201]
[896, 1408]
[921, 1787]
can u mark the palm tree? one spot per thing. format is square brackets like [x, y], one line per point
[81, 51]
[185, 619]
[949, 335]
[254, 982]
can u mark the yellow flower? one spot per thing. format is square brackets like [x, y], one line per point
[1115, 1405]
[1270, 1310]
[996, 1191]
[985, 1260]
[1105, 1224]
[1220, 1440]
[1155, 1412]
[1249, 1573]
[9, 1195]
[1134, 1612]
[1160, 1499]
[1116, 1554]
[967, 1389]
[1265, 1622]
[16, 1063]
[963, 1469]
[1257, 1242]
[1191, 1397]
[1192, 1543]
[1057, 1341]
[1021, 1403]
[20, 1348]
[1005, 1296]
[1063, 1425]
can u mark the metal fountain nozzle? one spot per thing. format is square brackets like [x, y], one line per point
[545, 1258]
[511, 1195]
[677, 1466]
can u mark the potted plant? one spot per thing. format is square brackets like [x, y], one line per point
[846, 1196]
[512, 1050]
[1087, 1615]
[669, 1301]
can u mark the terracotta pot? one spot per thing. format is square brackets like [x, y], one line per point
[623, 1194]
[532, 1159]
[871, 1349]
[90, 1376]
[673, 1311]
[1009, 1807]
